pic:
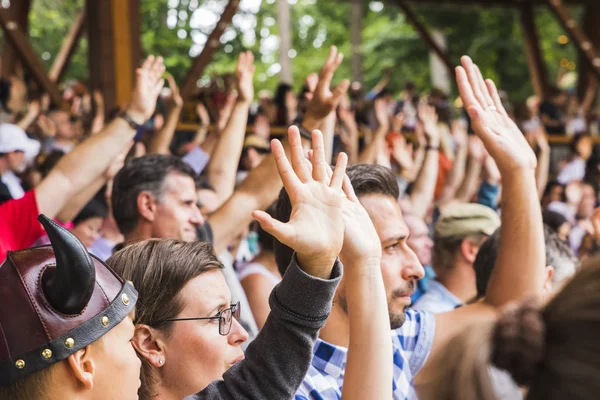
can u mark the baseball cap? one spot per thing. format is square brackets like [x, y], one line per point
[460, 220]
[256, 142]
[13, 138]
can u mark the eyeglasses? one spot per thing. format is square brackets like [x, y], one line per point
[225, 318]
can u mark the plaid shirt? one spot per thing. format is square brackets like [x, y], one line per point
[411, 344]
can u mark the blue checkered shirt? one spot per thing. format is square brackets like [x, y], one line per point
[411, 344]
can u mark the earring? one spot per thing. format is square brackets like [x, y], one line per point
[161, 361]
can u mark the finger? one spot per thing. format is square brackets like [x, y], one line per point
[340, 91]
[329, 67]
[339, 172]
[491, 86]
[318, 157]
[473, 80]
[282, 232]
[297, 154]
[483, 87]
[172, 84]
[348, 189]
[286, 173]
[158, 87]
[147, 62]
[465, 89]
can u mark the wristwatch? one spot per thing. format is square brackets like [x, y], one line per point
[130, 121]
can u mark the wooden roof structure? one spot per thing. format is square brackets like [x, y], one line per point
[113, 29]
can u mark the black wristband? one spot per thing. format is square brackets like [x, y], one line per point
[130, 121]
[305, 133]
[435, 148]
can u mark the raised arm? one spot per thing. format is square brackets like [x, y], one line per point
[470, 183]
[278, 359]
[424, 189]
[77, 202]
[519, 270]
[32, 113]
[161, 141]
[98, 121]
[543, 164]
[457, 174]
[262, 185]
[369, 368]
[226, 157]
[76, 170]
[368, 155]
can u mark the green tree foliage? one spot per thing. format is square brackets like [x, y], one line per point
[176, 30]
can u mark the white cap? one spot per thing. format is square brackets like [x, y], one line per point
[13, 138]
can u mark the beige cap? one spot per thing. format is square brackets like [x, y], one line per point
[460, 220]
[256, 142]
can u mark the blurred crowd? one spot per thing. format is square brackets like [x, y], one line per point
[450, 206]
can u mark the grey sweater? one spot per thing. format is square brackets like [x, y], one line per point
[278, 359]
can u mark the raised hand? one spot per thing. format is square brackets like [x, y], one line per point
[429, 118]
[324, 100]
[148, 85]
[398, 122]
[175, 97]
[459, 132]
[311, 82]
[202, 113]
[245, 74]
[500, 135]
[98, 101]
[381, 113]
[403, 153]
[316, 226]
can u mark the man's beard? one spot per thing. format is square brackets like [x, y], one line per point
[396, 318]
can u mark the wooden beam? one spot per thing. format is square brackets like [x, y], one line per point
[114, 48]
[537, 68]
[586, 48]
[424, 33]
[31, 60]
[18, 11]
[68, 47]
[356, 22]
[199, 63]
[586, 77]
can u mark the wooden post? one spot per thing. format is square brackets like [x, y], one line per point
[285, 42]
[61, 62]
[586, 74]
[586, 47]
[114, 48]
[30, 59]
[424, 33]
[188, 86]
[537, 69]
[18, 13]
[356, 40]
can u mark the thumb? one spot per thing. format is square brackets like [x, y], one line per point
[280, 231]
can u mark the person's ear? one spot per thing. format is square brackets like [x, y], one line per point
[549, 275]
[146, 204]
[469, 250]
[148, 345]
[83, 367]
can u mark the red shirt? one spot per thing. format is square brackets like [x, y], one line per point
[19, 227]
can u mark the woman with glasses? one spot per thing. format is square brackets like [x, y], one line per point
[187, 334]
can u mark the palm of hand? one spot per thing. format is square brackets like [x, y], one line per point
[509, 147]
[317, 220]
